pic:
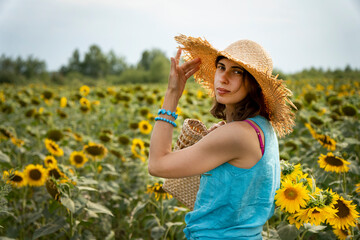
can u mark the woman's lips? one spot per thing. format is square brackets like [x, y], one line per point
[222, 91]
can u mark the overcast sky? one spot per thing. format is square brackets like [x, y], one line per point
[298, 34]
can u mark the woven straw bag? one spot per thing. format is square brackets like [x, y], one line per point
[185, 189]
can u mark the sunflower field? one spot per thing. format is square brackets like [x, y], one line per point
[73, 162]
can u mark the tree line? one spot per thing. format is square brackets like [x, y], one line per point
[153, 67]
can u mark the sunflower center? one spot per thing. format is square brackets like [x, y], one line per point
[325, 139]
[35, 174]
[315, 211]
[343, 210]
[160, 190]
[78, 159]
[55, 173]
[16, 178]
[145, 127]
[290, 194]
[53, 147]
[94, 150]
[50, 161]
[333, 161]
[138, 146]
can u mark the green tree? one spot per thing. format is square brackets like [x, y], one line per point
[148, 57]
[116, 65]
[95, 63]
[159, 69]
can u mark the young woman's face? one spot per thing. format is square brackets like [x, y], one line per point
[229, 83]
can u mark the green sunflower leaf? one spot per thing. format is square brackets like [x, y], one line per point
[49, 228]
[314, 228]
[4, 158]
[68, 203]
[97, 208]
[84, 188]
[288, 232]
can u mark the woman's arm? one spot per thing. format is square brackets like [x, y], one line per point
[219, 146]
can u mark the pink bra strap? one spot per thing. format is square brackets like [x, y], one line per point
[259, 136]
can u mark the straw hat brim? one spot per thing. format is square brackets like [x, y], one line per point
[276, 95]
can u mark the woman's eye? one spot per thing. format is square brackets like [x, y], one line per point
[238, 72]
[220, 67]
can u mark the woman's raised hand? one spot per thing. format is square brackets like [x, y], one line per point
[180, 74]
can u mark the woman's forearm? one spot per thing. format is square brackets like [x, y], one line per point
[161, 137]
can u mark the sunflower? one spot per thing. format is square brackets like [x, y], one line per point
[331, 163]
[96, 151]
[138, 149]
[133, 125]
[55, 135]
[315, 215]
[326, 142]
[110, 91]
[341, 233]
[199, 94]
[158, 191]
[2, 97]
[345, 216]
[145, 127]
[144, 111]
[312, 131]
[47, 95]
[150, 116]
[63, 102]
[124, 139]
[50, 161]
[61, 113]
[291, 196]
[78, 159]
[95, 103]
[77, 137]
[52, 189]
[85, 104]
[35, 175]
[17, 142]
[15, 178]
[84, 90]
[54, 171]
[53, 148]
[6, 134]
[290, 172]
[357, 188]
[292, 220]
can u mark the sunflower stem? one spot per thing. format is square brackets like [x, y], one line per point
[71, 223]
[267, 226]
[161, 212]
[303, 234]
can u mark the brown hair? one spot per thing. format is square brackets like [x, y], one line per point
[253, 104]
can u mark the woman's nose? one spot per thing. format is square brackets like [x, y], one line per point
[224, 78]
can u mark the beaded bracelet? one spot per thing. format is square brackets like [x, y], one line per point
[165, 120]
[168, 112]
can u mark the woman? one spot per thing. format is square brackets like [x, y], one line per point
[238, 161]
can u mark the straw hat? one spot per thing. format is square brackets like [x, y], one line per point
[252, 57]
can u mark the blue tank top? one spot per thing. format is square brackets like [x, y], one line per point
[235, 203]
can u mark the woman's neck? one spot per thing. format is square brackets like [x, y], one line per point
[229, 110]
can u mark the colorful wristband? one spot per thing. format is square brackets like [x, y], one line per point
[168, 112]
[165, 120]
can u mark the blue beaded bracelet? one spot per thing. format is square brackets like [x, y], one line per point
[165, 120]
[168, 112]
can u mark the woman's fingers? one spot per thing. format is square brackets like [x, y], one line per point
[191, 64]
[177, 58]
[192, 71]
